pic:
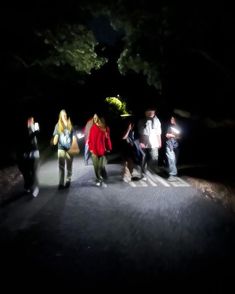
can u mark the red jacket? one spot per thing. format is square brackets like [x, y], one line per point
[99, 140]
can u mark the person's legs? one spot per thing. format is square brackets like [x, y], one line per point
[101, 167]
[27, 176]
[144, 161]
[34, 175]
[35, 167]
[104, 172]
[61, 159]
[126, 174]
[69, 164]
[171, 159]
[95, 161]
[153, 159]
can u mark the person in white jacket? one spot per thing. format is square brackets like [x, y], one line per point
[150, 132]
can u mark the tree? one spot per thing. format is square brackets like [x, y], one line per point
[72, 45]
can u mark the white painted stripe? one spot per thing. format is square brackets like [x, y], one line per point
[152, 183]
[132, 184]
[178, 184]
[183, 182]
[159, 179]
[143, 183]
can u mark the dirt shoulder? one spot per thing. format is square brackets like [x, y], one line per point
[215, 182]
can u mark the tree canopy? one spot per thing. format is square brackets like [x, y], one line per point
[181, 48]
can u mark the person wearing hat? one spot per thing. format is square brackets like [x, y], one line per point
[150, 131]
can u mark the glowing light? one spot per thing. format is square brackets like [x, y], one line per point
[176, 131]
[80, 135]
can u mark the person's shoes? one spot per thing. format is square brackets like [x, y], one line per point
[143, 177]
[104, 185]
[60, 187]
[67, 184]
[98, 184]
[126, 179]
[35, 192]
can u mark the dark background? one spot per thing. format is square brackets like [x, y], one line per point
[198, 76]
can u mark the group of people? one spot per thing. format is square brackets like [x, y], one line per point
[141, 149]
[97, 144]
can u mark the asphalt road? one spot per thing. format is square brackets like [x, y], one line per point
[129, 236]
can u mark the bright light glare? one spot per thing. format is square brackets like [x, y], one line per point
[176, 131]
[80, 135]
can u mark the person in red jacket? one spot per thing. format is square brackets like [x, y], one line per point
[99, 144]
[86, 131]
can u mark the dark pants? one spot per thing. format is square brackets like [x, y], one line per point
[29, 169]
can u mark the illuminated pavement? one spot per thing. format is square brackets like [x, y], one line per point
[140, 235]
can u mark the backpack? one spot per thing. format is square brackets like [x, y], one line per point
[65, 139]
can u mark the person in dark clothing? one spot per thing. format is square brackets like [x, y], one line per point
[132, 154]
[28, 157]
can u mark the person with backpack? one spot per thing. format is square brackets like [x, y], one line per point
[63, 137]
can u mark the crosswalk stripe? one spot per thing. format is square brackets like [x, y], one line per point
[159, 179]
[132, 184]
[152, 183]
[179, 183]
[152, 179]
[143, 183]
[183, 182]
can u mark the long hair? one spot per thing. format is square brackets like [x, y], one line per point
[61, 125]
[101, 123]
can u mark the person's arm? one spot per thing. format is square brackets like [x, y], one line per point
[159, 138]
[125, 136]
[55, 135]
[55, 139]
[170, 135]
[140, 128]
[108, 142]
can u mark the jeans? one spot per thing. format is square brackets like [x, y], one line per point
[150, 159]
[172, 160]
[64, 157]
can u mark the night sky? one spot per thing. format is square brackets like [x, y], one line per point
[197, 66]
